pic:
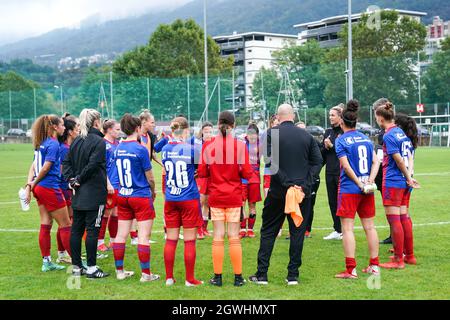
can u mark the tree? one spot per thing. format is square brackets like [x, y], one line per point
[445, 44]
[384, 61]
[437, 78]
[270, 79]
[174, 50]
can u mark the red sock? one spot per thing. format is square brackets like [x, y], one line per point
[408, 234]
[133, 234]
[189, 259]
[251, 221]
[59, 241]
[244, 223]
[144, 257]
[397, 235]
[169, 257]
[101, 233]
[113, 226]
[374, 261]
[350, 264]
[65, 239]
[45, 240]
[119, 254]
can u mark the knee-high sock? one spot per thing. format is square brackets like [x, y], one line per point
[169, 257]
[45, 240]
[119, 254]
[101, 233]
[236, 254]
[217, 255]
[244, 224]
[59, 241]
[113, 226]
[397, 235]
[251, 221]
[408, 234]
[65, 239]
[189, 259]
[144, 258]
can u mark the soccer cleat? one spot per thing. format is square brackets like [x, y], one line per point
[98, 274]
[374, 270]
[259, 279]
[394, 264]
[170, 282]
[103, 248]
[216, 280]
[410, 259]
[123, 274]
[50, 266]
[308, 234]
[242, 233]
[239, 281]
[250, 234]
[134, 241]
[65, 258]
[333, 236]
[388, 240]
[193, 283]
[149, 277]
[292, 281]
[347, 275]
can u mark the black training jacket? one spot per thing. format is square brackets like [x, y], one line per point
[330, 158]
[86, 160]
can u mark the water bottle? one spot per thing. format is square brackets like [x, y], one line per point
[23, 197]
[370, 188]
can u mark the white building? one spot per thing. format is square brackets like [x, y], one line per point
[251, 51]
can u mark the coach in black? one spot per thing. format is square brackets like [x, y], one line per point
[295, 160]
[85, 169]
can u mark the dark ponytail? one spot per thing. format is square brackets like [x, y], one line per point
[386, 111]
[70, 122]
[129, 123]
[350, 114]
[409, 126]
[226, 122]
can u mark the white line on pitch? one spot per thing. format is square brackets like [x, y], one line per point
[10, 178]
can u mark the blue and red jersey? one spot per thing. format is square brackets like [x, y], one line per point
[254, 156]
[48, 152]
[63, 151]
[395, 141]
[178, 161]
[132, 161]
[358, 149]
[111, 168]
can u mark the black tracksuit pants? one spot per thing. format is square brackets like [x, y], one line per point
[310, 203]
[91, 222]
[332, 190]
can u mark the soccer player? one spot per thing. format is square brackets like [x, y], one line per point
[71, 131]
[397, 181]
[225, 162]
[44, 179]
[359, 167]
[135, 199]
[202, 183]
[273, 122]
[252, 186]
[111, 130]
[182, 205]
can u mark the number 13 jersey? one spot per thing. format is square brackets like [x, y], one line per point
[178, 161]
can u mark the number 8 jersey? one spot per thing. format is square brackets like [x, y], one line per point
[358, 149]
[178, 161]
[132, 161]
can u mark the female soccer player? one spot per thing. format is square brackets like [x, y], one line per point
[135, 199]
[251, 187]
[71, 131]
[397, 181]
[225, 161]
[273, 122]
[44, 180]
[359, 167]
[202, 183]
[111, 130]
[182, 205]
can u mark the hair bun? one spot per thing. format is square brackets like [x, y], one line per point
[389, 106]
[353, 105]
[175, 126]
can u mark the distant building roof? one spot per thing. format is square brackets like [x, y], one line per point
[240, 35]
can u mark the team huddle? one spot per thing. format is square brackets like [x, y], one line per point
[205, 177]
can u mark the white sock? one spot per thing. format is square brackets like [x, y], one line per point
[47, 259]
[100, 242]
[91, 270]
[61, 254]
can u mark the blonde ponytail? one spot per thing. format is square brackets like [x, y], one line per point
[87, 119]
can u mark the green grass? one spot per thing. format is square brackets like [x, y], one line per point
[21, 278]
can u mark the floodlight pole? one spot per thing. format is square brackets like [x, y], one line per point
[205, 40]
[350, 52]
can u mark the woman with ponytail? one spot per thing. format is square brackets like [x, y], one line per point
[225, 161]
[44, 180]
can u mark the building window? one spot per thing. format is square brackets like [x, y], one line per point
[250, 50]
[250, 62]
[259, 38]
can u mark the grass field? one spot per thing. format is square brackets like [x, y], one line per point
[21, 278]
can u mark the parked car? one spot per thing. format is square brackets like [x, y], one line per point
[422, 131]
[366, 129]
[315, 131]
[16, 133]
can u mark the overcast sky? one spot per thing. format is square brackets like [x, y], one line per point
[25, 18]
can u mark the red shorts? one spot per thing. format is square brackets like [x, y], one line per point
[163, 184]
[396, 197]
[68, 196]
[251, 192]
[267, 181]
[202, 184]
[51, 199]
[111, 200]
[186, 214]
[140, 209]
[349, 204]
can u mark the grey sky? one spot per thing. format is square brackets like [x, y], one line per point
[25, 18]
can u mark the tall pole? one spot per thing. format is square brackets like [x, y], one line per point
[350, 52]
[112, 97]
[346, 80]
[10, 110]
[148, 93]
[34, 103]
[189, 100]
[233, 93]
[206, 59]
[62, 101]
[419, 85]
[218, 93]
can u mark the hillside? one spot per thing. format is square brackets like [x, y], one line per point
[224, 16]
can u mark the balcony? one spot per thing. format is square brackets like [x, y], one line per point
[314, 33]
[236, 56]
[232, 45]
